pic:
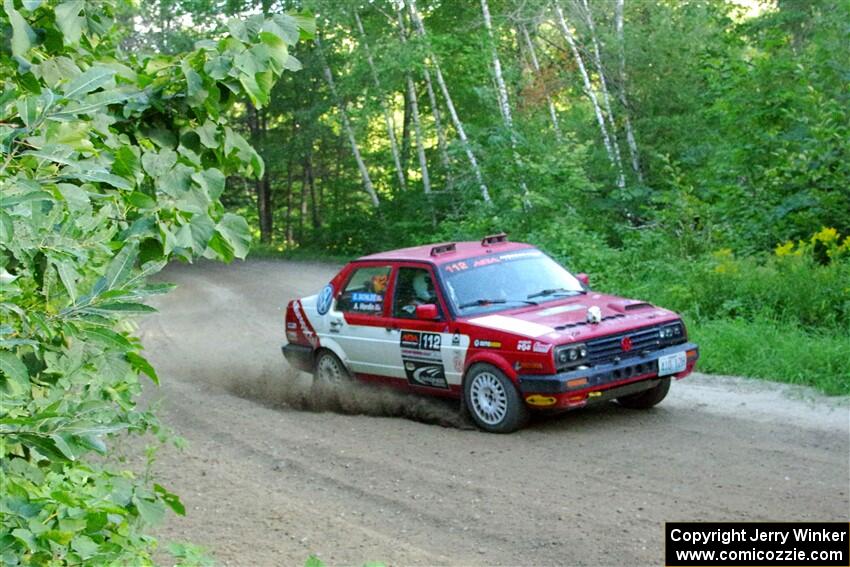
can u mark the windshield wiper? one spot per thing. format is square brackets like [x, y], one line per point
[555, 291]
[484, 301]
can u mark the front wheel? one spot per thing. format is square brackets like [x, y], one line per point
[647, 398]
[493, 401]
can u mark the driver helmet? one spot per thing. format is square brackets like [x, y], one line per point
[422, 287]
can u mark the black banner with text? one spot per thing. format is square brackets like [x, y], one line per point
[744, 544]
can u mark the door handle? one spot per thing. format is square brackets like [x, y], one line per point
[391, 329]
[336, 324]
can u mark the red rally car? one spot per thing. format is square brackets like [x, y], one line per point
[498, 324]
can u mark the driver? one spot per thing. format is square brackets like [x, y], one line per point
[423, 292]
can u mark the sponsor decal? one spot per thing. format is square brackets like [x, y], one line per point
[421, 341]
[626, 344]
[485, 343]
[457, 360]
[485, 262]
[423, 365]
[363, 296]
[367, 307]
[541, 347]
[291, 325]
[512, 325]
[490, 260]
[557, 310]
[456, 267]
[523, 346]
[456, 339]
[594, 314]
[428, 374]
[323, 302]
[306, 327]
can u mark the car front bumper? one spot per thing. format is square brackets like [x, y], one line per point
[578, 387]
[298, 356]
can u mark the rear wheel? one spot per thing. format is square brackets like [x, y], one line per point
[329, 372]
[493, 401]
[647, 398]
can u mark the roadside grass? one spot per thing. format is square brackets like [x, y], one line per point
[774, 351]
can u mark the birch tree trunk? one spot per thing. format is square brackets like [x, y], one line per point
[442, 146]
[387, 119]
[630, 134]
[591, 94]
[414, 112]
[346, 125]
[532, 54]
[502, 90]
[603, 84]
[420, 30]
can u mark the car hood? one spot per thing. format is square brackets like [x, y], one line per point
[567, 321]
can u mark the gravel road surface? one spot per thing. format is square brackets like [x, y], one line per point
[269, 477]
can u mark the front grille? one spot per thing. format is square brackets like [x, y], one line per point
[607, 349]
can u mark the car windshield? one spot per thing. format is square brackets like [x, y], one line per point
[495, 282]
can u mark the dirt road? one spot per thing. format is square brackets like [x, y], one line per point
[268, 481]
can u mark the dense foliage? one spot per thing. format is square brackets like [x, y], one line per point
[113, 163]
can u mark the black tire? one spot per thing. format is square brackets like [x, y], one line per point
[647, 398]
[492, 400]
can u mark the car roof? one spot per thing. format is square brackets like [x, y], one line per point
[446, 252]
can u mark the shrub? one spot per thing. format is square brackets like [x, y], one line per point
[112, 164]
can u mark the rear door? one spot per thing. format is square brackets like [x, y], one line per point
[359, 321]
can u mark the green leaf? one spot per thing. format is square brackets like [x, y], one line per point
[208, 133]
[22, 34]
[84, 546]
[28, 110]
[25, 537]
[98, 177]
[234, 229]
[65, 444]
[16, 372]
[92, 79]
[151, 511]
[76, 197]
[109, 339]
[121, 267]
[172, 500]
[127, 307]
[212, 181]
[69, 21]
[69, 276]
[141, 364]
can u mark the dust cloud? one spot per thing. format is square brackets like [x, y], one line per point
[288, 388]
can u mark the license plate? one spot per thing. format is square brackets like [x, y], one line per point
[672, 363]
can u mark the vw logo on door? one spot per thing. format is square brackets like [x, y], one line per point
[323, 302]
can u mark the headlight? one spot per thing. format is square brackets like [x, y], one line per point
[570, 355]
[670, 332]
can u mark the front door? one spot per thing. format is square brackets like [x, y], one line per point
[429, 356]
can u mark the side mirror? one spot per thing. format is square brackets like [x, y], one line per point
[584, 279]
[427, 312]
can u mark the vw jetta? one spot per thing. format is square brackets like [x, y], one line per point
[497, 324]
